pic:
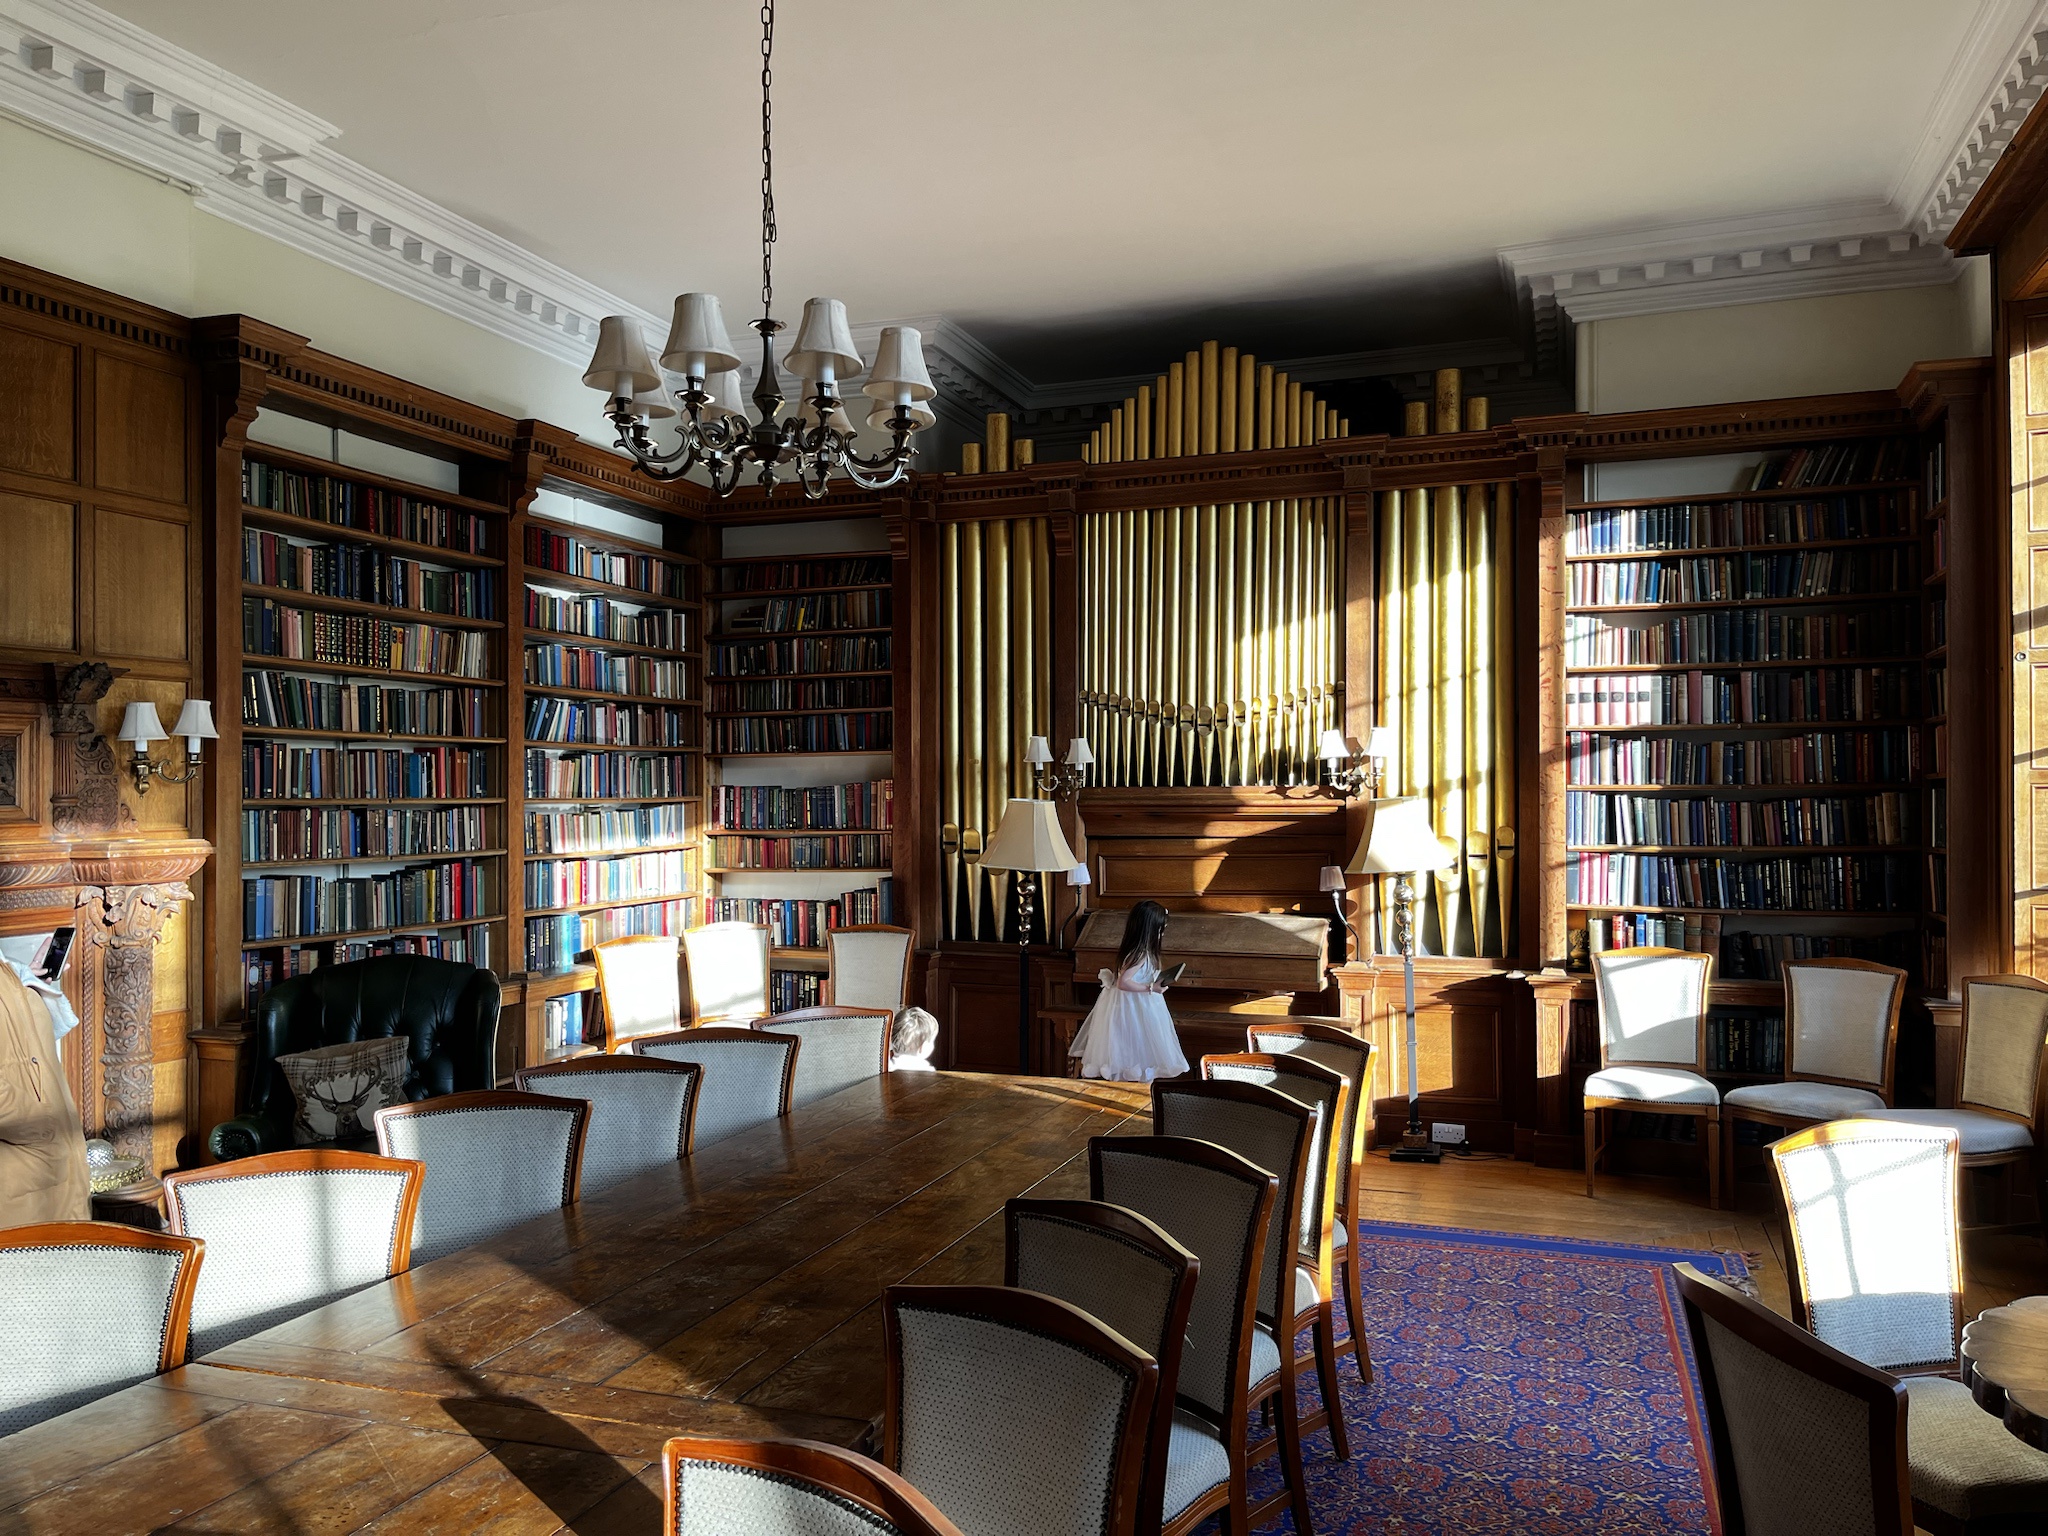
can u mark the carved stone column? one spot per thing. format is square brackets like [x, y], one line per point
[125, 922]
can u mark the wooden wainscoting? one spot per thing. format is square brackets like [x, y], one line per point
[1469, 1048]
[1213, 850]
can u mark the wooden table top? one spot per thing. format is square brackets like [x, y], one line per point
[2005, 1365]
[531, 1380]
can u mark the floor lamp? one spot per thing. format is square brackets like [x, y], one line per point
[1029, 841]
[1399, 841]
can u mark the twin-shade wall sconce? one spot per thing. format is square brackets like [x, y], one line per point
[142, 725]
[1063, 782]
[1336, 750]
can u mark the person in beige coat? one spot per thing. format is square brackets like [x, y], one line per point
[42, 1148]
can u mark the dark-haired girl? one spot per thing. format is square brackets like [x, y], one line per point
[1128, 1035]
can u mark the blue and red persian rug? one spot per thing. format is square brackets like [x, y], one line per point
[1523, 1386]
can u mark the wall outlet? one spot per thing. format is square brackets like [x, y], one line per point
[1446, 1134]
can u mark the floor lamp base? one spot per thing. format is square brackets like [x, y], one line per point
[1410, 1152]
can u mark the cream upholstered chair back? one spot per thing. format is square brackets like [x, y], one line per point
[1653, 1004]
[1329, 1095]
[1842, 1021]
[2005, 1021]
[289, 1231]
[842, 1046]
[802, 1487]
[639, 982]
[1877, 1261]
[728, 970]
[1804, 1438]
[869, 966]
[1014, 1412]
[87, 1308]
[640, 1111]
[1343, 1053]
[748, 1074]
[494, 1158]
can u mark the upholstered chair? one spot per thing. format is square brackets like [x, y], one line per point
[1014, 1412]
[767, 1487]
[842, 1046]
[868, 966]
[1122, 1269]
[1329, 1095]
[748, 1075]
[1274, 1132]
[494, 1159]
[641, 1111]
[1841, 1035]
[1653, 1029]
[1218, 1207]
[1877, 1264]
[1345, 1053]
[639, 986]
[290, 1231]
[727, 964]
[87, 1308]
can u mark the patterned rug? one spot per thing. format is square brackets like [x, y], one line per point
[1524, 1386]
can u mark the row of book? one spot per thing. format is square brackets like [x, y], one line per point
[264, 969]
[306, 906]
[553, 943]
[1838, 821]
[1736, 634]
[549, 551]
[1937, 815]
[1726, 524]
[864, 807]
[1860, 882]
[630, 877]
[796, 924]
[1816, 757]
[1747, 1041]
[812, 693]
[600, 618]
[578, 666]
[361, 832]
[1937, 621]
[791, 990]
[822, 610]
[1740, 954]
[1867, 462]
[605, 831]
[365, 575]
[782, 658]
[801, 733]
[844, 850]
[785, 575]
[1939, 553]
[1743, 577]
[561, 1022]
[292, 702]
[276, 770]
[1934, 471]
[1792, 696]
[606, 775]
[596, 723]
[1937, 690]
[357, 640]
[366, 508]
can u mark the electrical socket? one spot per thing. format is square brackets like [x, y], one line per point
[1447, 1134]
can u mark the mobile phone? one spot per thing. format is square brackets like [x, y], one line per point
[50, 964]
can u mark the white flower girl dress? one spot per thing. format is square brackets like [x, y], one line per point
[1128, 1035]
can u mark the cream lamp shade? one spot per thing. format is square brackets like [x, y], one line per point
[654, 404]
[1379, 742]
[1332, 879]
[921, 415]
[1334, 748]
[141, 725]
[1400, 840]
[824, 352]
[1079, 753]
[698, 345]
[726, 400]
[195, 724]
[1039, 752]
[807, 413]
[620, 366]
[899, 375]
[1079, 875]
[1029, 837]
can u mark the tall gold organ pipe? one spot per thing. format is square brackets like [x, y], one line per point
[998, 441]
[952, 772]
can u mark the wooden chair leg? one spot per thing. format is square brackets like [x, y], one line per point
[1592, 1147]
[1288, 1412]
[1326, 1378]
[1354, 1310]
[1713, 1140]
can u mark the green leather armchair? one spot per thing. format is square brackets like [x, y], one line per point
[448, 1011]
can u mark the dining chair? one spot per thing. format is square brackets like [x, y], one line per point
[1219, 1207]
[868, 966]
[748, 1075]
[87, 1308]
[286, 1232]
[1122, 1269]
[727, 965]
[1014, 1413]
[1276, 1133]
[639, 986]
[1877, 1262]
[1344, 1053]
[842, 1046]
[799, 1487]
[641, 1110]
[1329, 1095]
[1841, 1040]
[495, 1158]
[1653, 1038]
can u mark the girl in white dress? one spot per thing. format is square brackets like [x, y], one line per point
[1128, 1035]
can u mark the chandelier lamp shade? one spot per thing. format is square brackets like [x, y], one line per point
[813, 442]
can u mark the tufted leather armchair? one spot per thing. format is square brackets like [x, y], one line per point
[449, 1012]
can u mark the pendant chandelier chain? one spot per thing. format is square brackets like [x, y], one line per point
[767, 159]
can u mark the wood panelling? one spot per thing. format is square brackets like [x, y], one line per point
[1466, 1058]
[139, 425]
[36, 428]
[139, 585]
[38, 571]
[1214, 850]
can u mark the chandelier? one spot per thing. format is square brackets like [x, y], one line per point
[816, 441]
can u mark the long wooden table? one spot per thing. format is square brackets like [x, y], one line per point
[528, 1383]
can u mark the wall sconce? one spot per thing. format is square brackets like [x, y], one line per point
[1064, 782]
[141, 725]
[1365, 779]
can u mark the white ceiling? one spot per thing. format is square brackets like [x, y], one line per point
[1087, 184]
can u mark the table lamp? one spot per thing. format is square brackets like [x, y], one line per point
[1028, 840]
[1399, 841]
[1331, 882]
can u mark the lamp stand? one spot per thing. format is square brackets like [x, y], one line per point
[1343, 927]
[1027, 898]
[1416, 1146]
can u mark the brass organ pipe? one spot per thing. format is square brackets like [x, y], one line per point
[1226, 401]
[973, 675]
[1143, 448]
[1041, 609]
[1393, 696]
[1023, 634]
[1447, 703]
[1191, 405]
[1116, 433]
[1212, 636]
[1212, 396]
[1478, 703]
[995, 782]
[970, 458]
[1505, 697]
[1159, 416]
[1265, 408]
[998, 441]
[1176, 392]
[1247, 402]
[951, 694]
[1173, 561]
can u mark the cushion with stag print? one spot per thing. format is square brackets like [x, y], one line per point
[337, 1088]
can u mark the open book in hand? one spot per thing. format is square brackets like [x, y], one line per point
[1172, 974]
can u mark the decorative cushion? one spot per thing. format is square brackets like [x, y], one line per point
[1651, 1085]
[338, 1088]
[1965, 1462]
[1805, 1101]
[1980, 1133]
[1195, 1462]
